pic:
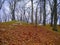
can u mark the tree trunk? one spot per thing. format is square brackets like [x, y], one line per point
[55, 16]
[13, 15]
[36, 16]
[13, 11]
[52, 15]
[40, 15]
[44, 16]
[52, 18]
[32, 11]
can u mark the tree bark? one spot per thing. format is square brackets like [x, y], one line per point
[44, 16]
[55, 16]
[52, 18]
[36, 16]
[32, 11]
[13, 11]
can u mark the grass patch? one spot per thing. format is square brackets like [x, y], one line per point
[6, 24]
[10, 22]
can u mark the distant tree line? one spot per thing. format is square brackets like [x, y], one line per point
[35, 15]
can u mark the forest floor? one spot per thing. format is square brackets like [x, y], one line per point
[16, 33]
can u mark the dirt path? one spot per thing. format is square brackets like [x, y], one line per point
[28, 35]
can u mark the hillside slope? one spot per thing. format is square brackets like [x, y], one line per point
[20, 34]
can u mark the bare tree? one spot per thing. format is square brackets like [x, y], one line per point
[5, 15]
[32, 11]
[55, 15]
[1, 3]
[36, 14]
[41, 10]
[44, 15]
[28, 11]
[12, 7]
[52, 12]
